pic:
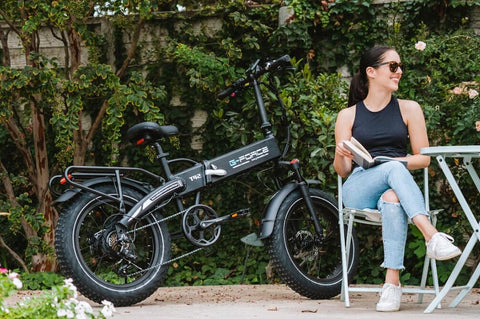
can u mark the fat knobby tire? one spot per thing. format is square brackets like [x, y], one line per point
[285, 258]
[74, 258]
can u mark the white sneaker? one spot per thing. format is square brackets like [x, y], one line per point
[440, 247]
[390, 298]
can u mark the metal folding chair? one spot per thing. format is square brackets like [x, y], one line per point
[351, 216]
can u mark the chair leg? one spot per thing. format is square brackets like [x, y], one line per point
[436, 286]
[345, 295]
[423, 282]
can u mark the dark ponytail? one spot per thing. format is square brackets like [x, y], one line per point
[358, 89]
[359, 84]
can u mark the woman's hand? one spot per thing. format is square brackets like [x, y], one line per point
[342, 151]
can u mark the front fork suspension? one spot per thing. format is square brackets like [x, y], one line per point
[303, 185]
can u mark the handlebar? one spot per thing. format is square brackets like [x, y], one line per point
[253, 73]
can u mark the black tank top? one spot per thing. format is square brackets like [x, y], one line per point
[382, 133]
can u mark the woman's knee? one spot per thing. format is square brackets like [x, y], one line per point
[396, 165]
[390, 196]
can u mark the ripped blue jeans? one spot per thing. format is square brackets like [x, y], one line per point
[364, 189]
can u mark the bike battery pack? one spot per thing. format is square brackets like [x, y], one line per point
[230, 164]
[245, 158]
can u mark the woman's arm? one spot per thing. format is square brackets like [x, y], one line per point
[343, 131]
[415, 120]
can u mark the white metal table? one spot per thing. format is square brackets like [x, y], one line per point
[467, 153]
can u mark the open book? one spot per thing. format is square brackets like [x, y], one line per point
[363, 158]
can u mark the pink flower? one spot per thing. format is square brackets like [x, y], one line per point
[477, 126]
[457, 91]
[3, 270]
[472, 93]
[420, 45]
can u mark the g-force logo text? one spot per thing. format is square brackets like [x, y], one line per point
[249, 157]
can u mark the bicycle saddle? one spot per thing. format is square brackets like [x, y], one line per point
[147, 132]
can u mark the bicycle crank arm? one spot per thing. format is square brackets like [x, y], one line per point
[224, 219]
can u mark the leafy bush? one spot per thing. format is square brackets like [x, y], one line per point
[60, 301]
[40, 280]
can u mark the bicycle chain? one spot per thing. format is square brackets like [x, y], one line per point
[171, 260]
[157, 222]
[166, 262]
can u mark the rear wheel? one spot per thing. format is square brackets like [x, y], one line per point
[310, 265]
[89, 253]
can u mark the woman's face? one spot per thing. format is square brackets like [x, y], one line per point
[388, 71]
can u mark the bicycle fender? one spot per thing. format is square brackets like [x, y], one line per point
[273, 206]
[71, 193]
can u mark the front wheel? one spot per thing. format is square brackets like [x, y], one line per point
[88, 250]
[310, 264]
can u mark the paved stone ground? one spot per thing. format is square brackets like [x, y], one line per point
[279, 301]
[274, 302]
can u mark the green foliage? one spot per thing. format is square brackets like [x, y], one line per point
[137, 94]
[40, 280]
[445, 79]
[205, 70]
[312, 103]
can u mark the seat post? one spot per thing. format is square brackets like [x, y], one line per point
[162, 157]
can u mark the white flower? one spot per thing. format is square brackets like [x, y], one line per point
[420, 45]
[70, 286]
[12, 275]
[108, 308]
[17, 282]
[65, 313]
[472, 93]
[61, 312]
[83, 307]
[81, 315]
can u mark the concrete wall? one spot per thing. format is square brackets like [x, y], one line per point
[152, 36]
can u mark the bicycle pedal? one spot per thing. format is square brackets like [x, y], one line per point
[240, 213]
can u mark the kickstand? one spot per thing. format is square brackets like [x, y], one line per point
[245, 262]
[251, 240]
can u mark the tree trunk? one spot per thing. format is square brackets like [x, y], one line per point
[42, 262]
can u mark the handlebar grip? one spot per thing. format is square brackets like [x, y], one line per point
[231, 89]
[225, 93]
[273, 64]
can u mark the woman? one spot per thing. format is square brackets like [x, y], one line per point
[384, 124]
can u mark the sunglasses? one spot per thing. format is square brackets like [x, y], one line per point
[393, 65]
